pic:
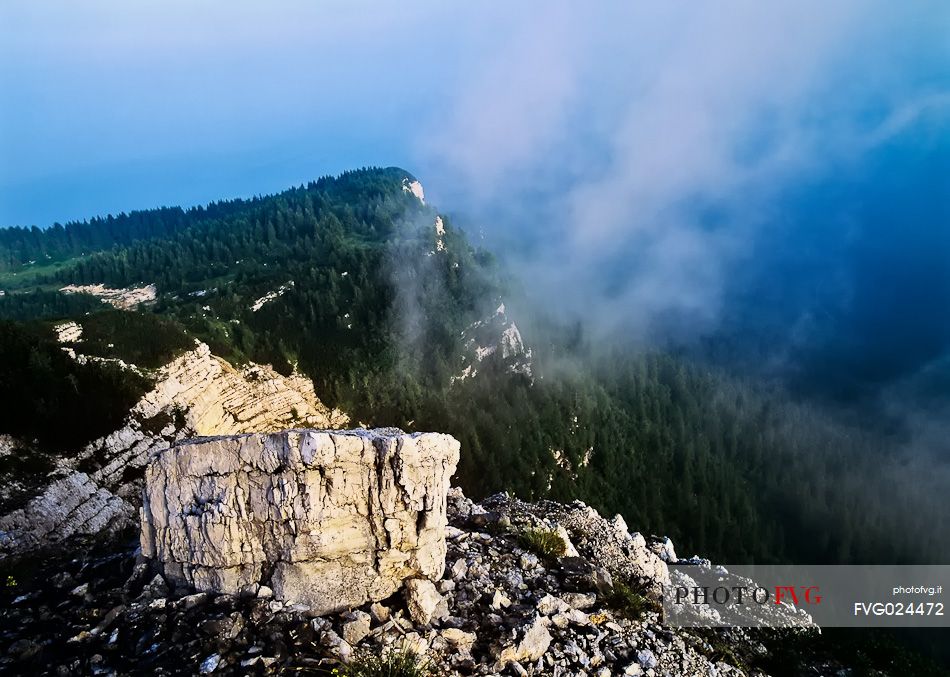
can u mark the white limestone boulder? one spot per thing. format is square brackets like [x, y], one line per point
[329, 519]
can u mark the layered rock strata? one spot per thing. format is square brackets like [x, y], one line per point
[200, 394]
[331, 520]
[197, 394]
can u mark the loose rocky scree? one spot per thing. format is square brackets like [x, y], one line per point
[498, 610]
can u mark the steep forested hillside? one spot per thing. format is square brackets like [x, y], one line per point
[352, 281]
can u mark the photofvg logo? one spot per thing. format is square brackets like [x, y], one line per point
[708, 596]
[723, 594]
[703, 595]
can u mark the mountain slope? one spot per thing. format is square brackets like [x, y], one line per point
[361, 286]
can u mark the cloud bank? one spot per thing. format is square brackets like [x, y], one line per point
[636, 160]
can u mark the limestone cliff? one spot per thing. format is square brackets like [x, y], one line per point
[331, 520]
[196, 394]
[200, 394]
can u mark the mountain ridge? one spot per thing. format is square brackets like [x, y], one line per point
[378, 318]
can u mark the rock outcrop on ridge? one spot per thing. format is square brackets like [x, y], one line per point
[123, 299]
[495, 339]
[197, 394]
[331, 520]
[200, 394]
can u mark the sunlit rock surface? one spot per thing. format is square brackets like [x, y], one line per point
[327, 519]
[123, 299]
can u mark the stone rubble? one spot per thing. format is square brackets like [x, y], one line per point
[270, 296]
[68, 332]
[498, 610]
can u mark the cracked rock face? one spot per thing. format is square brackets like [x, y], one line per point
[331, 520]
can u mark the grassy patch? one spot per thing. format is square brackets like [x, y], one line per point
[630, 603]
[30, 274]
[725, 653]
[395, 663]
[545, 543]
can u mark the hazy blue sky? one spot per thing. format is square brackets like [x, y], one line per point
[111, 106]
[651, 154]
[118, 105]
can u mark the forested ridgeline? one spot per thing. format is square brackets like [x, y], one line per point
[21, 246]
[344, 280]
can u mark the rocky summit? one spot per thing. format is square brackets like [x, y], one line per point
[504, 587]
[331, 520]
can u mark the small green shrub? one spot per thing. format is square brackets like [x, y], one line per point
[725, 654]
[629, 603]
[395, 663]
[545, 543]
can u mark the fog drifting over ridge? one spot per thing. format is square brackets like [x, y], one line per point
[771, 177]
[658, 150]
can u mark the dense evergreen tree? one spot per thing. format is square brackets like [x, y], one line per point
[54, 401]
